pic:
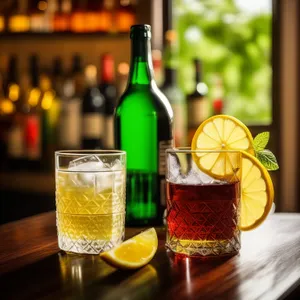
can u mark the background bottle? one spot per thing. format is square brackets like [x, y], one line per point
[143, 128]
[125, 15]
[57, 75]
[109, 91]
[50, 106]
[77, 74]
[105, 16]
[218, 96]
[2, 18]
[93, 106]
[171, 89]
[70, 117]
[122, 77]
[32, 122]
[19, 19]
[61, 21]
[198, 105]
[15, 138]
[77, 21]
[38, 16]
[158, 67]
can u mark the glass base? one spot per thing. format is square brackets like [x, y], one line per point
[204, 248]
[84, 246]
[89, 234]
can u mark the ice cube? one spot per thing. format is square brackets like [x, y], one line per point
[91, 171]
[86, 163]
[83, 170]
[117, 166]
[196, 176]
[174, 169]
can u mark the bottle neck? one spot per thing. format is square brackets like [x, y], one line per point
[170, 76]
[141, 68]
[198, 75]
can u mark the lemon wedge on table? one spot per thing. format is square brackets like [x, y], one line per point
[224, 132]
[133, 253]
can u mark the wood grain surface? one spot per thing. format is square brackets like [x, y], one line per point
[32, 267]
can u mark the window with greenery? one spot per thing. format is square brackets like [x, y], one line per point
[233, 40]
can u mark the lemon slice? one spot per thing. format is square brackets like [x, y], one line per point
[133, 253]
[223, 132]
[257, 192]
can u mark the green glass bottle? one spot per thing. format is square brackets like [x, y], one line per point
[143, 128]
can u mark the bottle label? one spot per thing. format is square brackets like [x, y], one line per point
[15, 145]
[163, 192]
[198, 111]
[92, 126]
[109, 132]
[163, 146]
[32, 137]
[69, 127]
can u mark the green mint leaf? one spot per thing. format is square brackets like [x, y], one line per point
[268, 160]
[260, 141]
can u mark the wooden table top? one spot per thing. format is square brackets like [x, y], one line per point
[32, 267]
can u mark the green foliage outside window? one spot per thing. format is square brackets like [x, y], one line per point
[233, 45]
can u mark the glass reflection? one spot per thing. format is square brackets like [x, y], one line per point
[76, 270]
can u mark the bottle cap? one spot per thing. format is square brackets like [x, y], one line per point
[140, 31]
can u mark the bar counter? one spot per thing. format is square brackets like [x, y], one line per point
[32, 267]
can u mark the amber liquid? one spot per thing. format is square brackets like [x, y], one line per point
[202, 214]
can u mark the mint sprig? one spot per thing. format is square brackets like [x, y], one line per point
[261, 141]
[268, 160]
[265, 156]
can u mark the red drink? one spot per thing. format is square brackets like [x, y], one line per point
[203, 216]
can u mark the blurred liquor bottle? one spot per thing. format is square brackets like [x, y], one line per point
[98, 16]
[11, 85]
[15, 142]
[50, 12]
[78, 16]
[50, 105]
[92, 16]
[4, 123]
[38, 22]
[125, 15]
[122, 79]
[32, 122]
[3, 14]
[70, 117]
[61, 20]
[218, 96]
[171, 89]
[93, 112]
[157, 67]
[19, 20]
[109, 91]
[57, 76]
[198, 105]
[7, 107]
[77, 74]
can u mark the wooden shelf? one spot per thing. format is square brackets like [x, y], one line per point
[41, 35]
